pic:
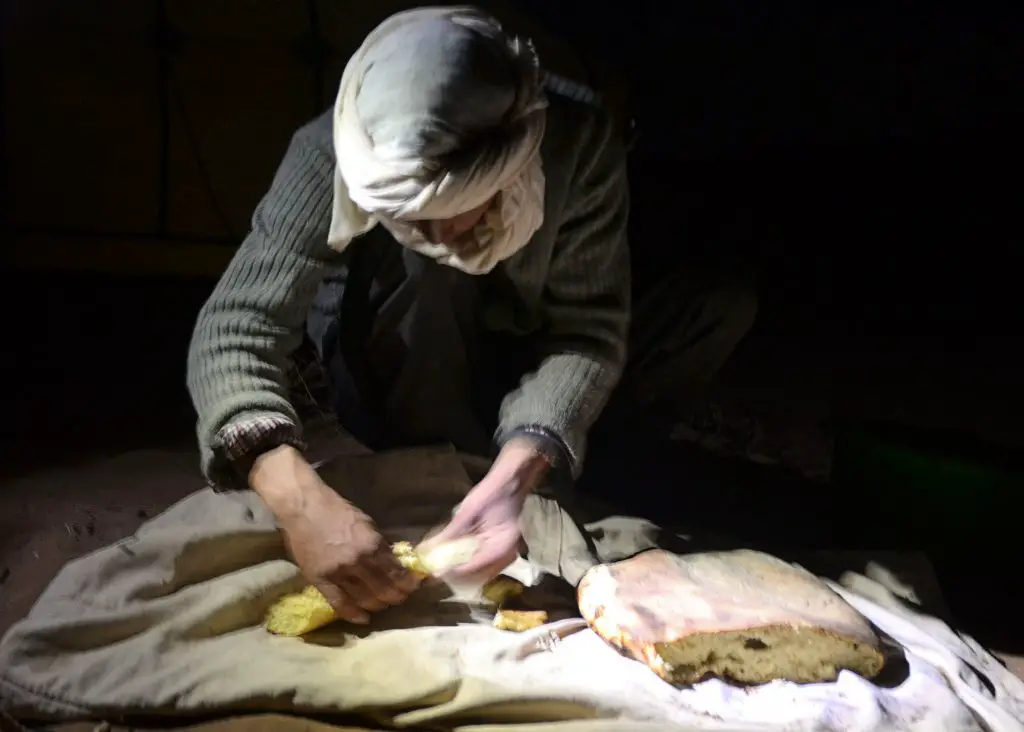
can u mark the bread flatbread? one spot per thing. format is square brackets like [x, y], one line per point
[742, 615]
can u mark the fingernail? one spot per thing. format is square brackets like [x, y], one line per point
[360, 619]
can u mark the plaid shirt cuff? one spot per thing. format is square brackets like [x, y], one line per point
[242, 442]
[550, 446]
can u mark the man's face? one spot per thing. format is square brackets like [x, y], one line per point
[449, 232]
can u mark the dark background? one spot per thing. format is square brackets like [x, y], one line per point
[864, 159]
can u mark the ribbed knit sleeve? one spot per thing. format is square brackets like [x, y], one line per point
[245, 333]
[586, 303]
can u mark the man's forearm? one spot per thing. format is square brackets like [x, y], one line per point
[586, 303]
[562, 398]
[239, 356]
[284, 479]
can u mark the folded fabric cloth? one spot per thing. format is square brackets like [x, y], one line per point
[167, 624]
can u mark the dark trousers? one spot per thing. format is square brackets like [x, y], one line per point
[410, 361]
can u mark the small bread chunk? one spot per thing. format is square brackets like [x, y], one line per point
[518, 621]
[409, 558]
[741, 615]
[442, 558]
[300, 613]
[501, 588]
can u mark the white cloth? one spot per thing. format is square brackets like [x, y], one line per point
[166, 624]
[389, 178]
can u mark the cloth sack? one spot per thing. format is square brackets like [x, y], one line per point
[167, 624]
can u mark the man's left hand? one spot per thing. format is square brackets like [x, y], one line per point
[491, 510]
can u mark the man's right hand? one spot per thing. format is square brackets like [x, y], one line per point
[337, 546]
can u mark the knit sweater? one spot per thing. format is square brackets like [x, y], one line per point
[572, 278]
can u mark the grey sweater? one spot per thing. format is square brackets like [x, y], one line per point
[573, 278]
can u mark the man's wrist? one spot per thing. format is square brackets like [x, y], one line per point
[284, 479]
[544, 441]
[520, 466]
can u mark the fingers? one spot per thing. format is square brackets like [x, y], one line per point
[367, 589]
[386, 580]
[487, 563]
[343, 604]
[376, 583]
[395, 575]
[459, 526]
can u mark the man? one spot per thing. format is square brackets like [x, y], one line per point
[455, 243]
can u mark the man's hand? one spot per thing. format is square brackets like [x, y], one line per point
[337, 546]
[490, 512]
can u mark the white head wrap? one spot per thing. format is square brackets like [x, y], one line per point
[439, 112]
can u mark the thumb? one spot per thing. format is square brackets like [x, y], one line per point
[487, 563]
[459, 526]
[342, 603]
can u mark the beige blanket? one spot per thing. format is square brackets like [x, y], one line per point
[166, 623]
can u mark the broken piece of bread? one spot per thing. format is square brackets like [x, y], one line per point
[306, 611]
[409, 558]
[742, 615]
[500, 589]
[519, 621]
[518, 618]
[299, 613]
[442, 558]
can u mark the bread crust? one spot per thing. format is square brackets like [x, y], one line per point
[743, 615]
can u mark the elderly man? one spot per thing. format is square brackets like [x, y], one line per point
[454, 241]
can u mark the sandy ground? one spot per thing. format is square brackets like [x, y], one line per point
[79, 509]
